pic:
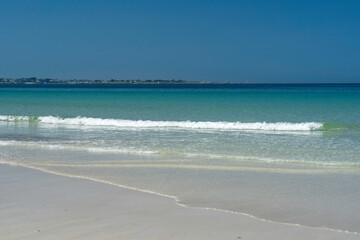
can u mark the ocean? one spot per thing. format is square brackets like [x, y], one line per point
[282, 153]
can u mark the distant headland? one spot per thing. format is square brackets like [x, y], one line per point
[35, 80]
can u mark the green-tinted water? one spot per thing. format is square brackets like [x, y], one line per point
[221, 148]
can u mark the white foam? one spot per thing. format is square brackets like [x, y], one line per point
[141, 124]
[8, 143]
[77, 147]
[14, 118]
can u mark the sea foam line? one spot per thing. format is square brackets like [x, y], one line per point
[138, 124]
[72, 146]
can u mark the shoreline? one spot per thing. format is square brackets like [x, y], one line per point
[288, 229]
[175, 199]
[171, 85]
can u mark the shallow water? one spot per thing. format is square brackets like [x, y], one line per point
[282, 153]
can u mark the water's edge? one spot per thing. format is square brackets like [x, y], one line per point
[176, 200]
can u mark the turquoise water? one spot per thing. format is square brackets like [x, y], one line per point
[298, 104]
[226, 148]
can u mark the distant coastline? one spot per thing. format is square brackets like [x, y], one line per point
[34, 80]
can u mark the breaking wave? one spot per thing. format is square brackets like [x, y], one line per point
[88, 121]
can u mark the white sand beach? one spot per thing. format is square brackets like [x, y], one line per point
[39, 205]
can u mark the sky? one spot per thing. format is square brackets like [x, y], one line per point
[253, 41]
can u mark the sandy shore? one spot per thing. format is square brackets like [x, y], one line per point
[39, 205]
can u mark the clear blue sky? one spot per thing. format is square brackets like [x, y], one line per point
[258, 41]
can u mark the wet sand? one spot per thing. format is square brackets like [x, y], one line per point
[39, 205]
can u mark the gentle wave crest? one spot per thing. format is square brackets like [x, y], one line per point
[88, 121]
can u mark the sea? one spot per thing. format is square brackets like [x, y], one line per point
[287, 153]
